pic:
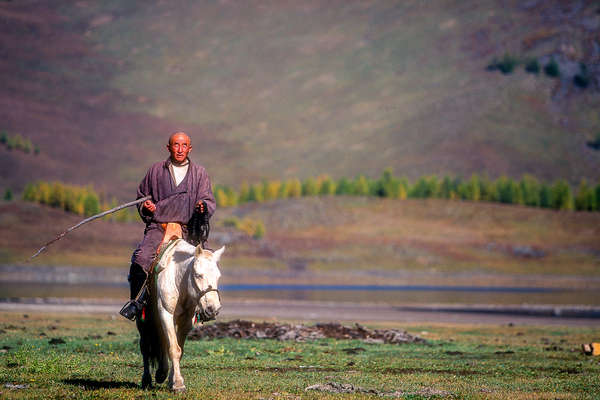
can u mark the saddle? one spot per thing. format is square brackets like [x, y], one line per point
[136, 307]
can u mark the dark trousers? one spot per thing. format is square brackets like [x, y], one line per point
[136, 279]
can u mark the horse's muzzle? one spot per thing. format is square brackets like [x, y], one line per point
[209, 313]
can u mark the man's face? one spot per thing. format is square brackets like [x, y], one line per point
[179, 146]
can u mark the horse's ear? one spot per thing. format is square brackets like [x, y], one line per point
[198, 251]
[217, 254]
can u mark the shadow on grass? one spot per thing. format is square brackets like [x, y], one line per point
[90, 384]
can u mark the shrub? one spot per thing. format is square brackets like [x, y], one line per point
[3, 137]
[259, 230]
[551, 69]
[507, 64]
[8, 195]
[582, 79]
[532, 66]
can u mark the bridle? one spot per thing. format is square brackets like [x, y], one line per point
[201, 315]
[207, 290]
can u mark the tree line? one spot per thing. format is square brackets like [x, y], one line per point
[18, 142]
[527, 191]
[81, 200]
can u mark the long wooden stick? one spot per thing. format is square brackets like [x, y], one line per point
[85, 221]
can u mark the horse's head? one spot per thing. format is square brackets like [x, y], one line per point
[205, 279]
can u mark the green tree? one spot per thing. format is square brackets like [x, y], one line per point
[585, 200]
[27, 146]
[19, 142]
[388, 185]
[91, 203]
[244, 193]
[545, 196]
[256, 193]
[259, 230]
[344, 187]
[43, 193]
[327, 186]
[57, 195]
[508, 191]
[310, 187]
[530, 189]
[561, 196]
[446, 187]
[532, 66]
[272, 190]
[221, 197]
[488, 189]
[551, 69]
[284, 190]
[29, 192]
[232, 196]
[10, 143]
[471, 189]
[8, 195]
[361, 186]
[426, 187]
[294, 188]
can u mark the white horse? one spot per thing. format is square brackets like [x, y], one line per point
[185, 287]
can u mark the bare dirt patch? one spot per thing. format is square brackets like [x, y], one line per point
[266, 330]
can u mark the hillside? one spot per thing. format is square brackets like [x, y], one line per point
[277, 89]
[342, 239]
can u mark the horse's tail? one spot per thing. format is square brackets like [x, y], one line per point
[151, 328]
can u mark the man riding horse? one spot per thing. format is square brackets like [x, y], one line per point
[181, 193]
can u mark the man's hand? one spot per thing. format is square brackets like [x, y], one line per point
[200, 207]
[150, 206]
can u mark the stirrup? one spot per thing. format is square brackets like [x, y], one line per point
[131, 309]
[134, 307]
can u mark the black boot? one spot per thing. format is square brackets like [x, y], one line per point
[138, 293]
[133, 308]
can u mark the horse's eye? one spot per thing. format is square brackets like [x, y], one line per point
[199, 276]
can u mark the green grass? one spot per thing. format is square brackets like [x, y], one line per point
[479, 361]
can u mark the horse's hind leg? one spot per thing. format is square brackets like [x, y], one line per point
[145, 350]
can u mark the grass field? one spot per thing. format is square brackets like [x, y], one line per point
[99, 360]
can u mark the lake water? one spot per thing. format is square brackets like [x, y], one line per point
[347, 293]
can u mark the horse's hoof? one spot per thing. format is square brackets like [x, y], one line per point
[178, 389]
[147, 383]
[161, 375]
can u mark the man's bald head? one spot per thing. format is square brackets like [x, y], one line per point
[182, 135]
[179, 146]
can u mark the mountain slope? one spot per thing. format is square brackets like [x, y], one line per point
[280, 88]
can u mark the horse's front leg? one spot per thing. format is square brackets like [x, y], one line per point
[168, 325]
[184, 325]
